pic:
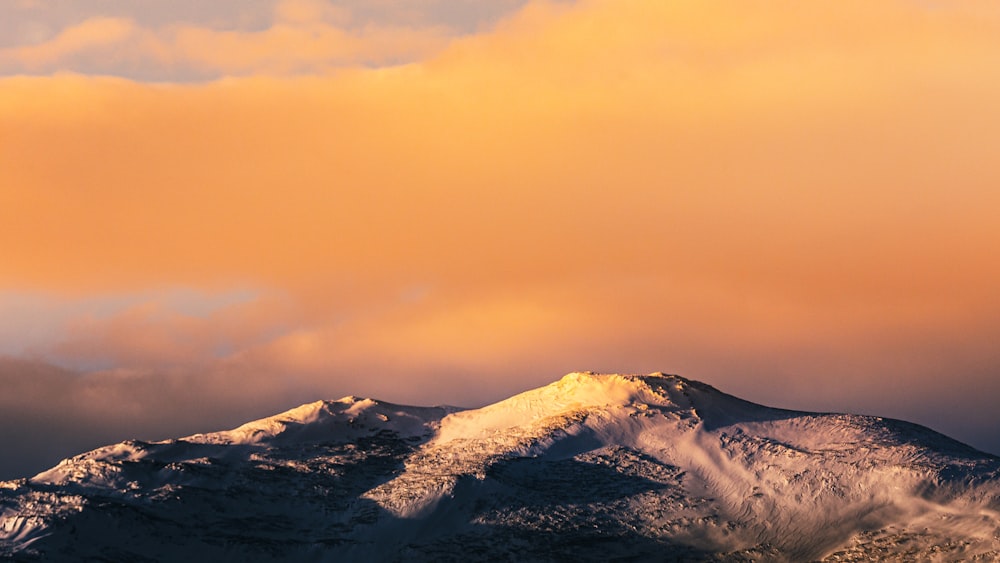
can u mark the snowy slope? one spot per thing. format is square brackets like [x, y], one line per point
[590, 467]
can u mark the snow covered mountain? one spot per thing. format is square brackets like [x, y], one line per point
[591, 467]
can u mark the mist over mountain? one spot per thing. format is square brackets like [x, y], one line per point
[590, 467]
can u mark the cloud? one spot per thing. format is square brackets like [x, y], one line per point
[155, 334]
[306, 36]
[48, 413]
[293, 48]
[91, 36]
[309, 12]
[794, 204]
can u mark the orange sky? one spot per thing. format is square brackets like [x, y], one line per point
[793, 201]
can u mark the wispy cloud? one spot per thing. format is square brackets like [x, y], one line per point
[298, 37]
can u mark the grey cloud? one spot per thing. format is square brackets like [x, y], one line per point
[33, 22]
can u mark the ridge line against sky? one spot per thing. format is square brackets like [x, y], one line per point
[226, 209]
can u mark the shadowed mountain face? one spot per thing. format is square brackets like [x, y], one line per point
[591, 467]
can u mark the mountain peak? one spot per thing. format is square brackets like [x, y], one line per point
[649, 466]
[585, 389]
[621, 394]
[342, 420]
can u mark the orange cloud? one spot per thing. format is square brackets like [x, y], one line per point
[290, 48]
[91, 36]
[151, 334]
[712, 187]
[564, 124]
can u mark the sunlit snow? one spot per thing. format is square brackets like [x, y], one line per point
[590, 467]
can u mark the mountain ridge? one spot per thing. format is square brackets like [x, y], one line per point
[589, 467]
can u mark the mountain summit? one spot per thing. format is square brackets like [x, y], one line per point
[590, 467]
